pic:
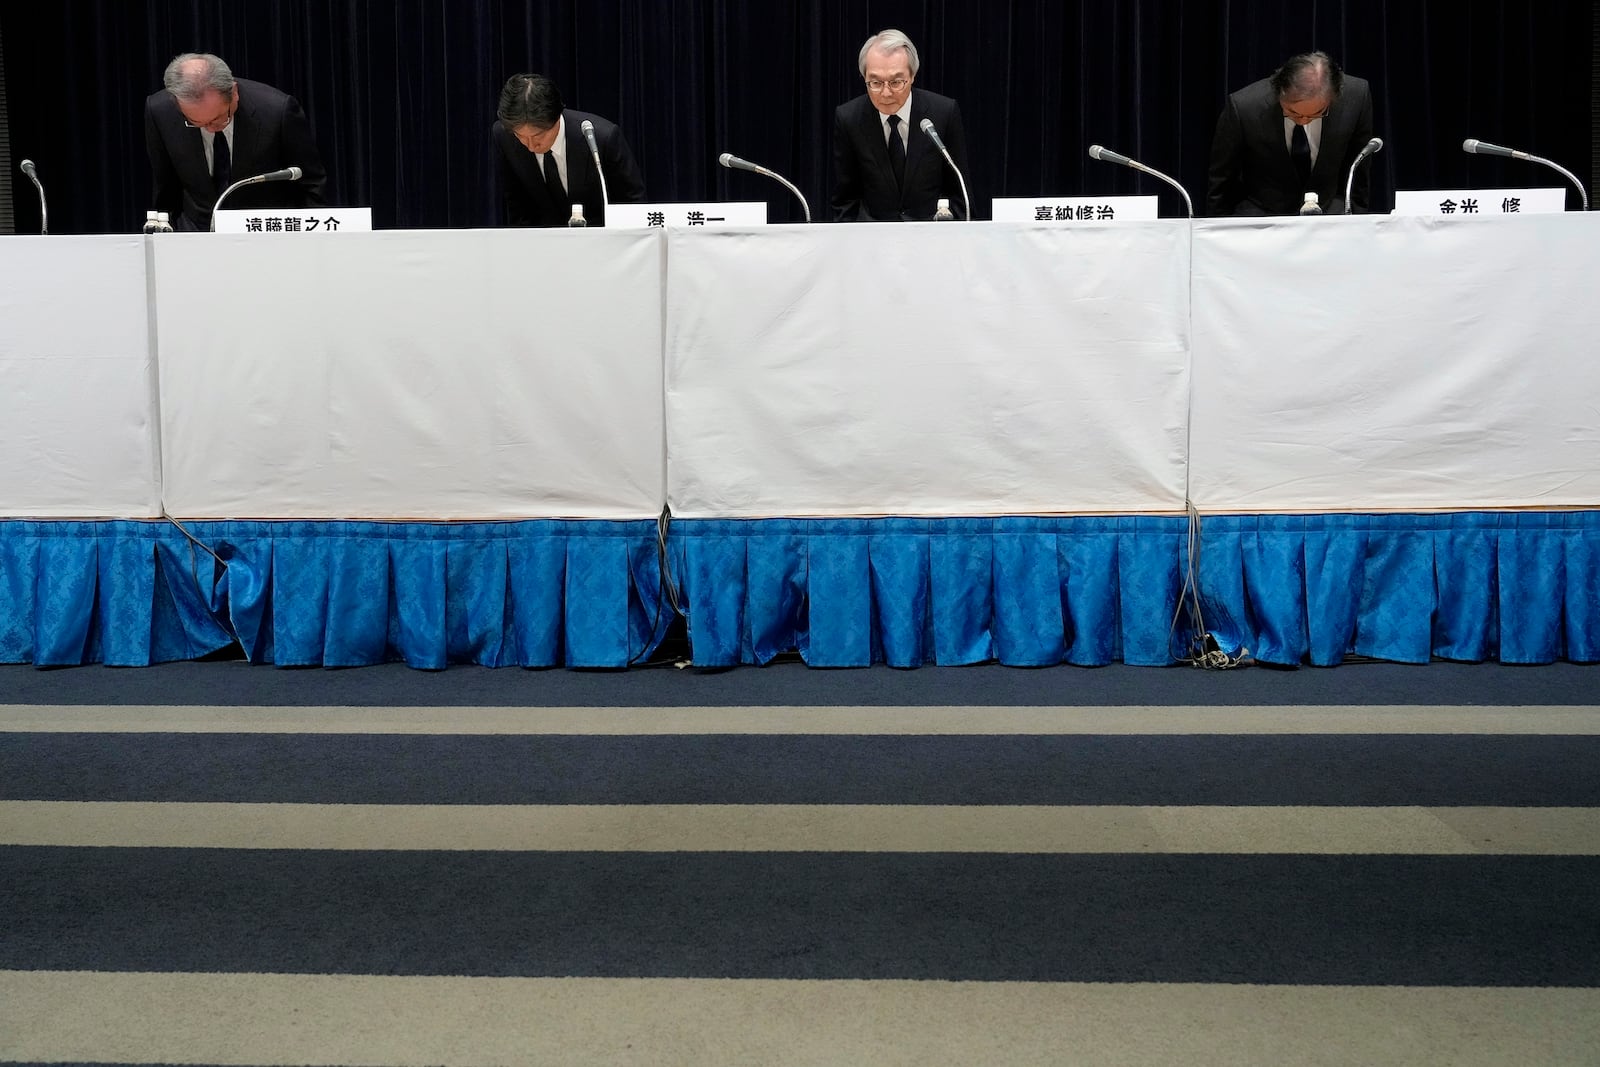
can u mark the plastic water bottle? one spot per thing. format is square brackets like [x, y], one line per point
[577, 218]
[942, 212]
[166, 223]
[151, 225]
[1311, 207]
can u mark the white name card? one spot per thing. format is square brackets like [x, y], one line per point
[643, 216]
[1479, 201]
[1072, 209]
[313, 220]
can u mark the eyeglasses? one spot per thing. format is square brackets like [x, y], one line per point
[224, 118]
[893, 85]
[1302, 118]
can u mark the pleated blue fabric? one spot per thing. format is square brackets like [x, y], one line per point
[127, 594]
[333, 594]
[851, 592]
[1519, 587]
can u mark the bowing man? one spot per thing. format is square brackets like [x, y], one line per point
[206, 129]
[544, 160]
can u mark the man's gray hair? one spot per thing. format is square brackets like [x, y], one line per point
[210, 73]
[890, 41]
[1308, 76]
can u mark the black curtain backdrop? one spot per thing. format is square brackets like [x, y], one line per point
[401, 92]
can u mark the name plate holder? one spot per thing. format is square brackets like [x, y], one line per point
[712, 216]
[298, 221]
[1479, 201]
[1073, 209]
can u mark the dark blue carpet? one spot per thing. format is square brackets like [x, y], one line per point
[1271, 769]
[792, 683]
[1354, 920]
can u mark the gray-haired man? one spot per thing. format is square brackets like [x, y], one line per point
[885, 168]
[206, 129]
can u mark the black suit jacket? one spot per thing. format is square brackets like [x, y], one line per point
[864, 188]
[528, 202]
[270, 132]
[1251, 173]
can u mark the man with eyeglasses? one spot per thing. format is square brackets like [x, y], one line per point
[1293, 133]
[884, 167]
[206, 129]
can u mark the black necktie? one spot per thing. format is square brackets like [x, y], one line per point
[897, 151]
[552, 182]
[1300, 155]
[221, 162]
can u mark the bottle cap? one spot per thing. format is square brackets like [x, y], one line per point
[577, 211]
[1311, 198]
[944, 203]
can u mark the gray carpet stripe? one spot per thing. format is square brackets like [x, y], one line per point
[808, 828]
[954, 719]
[346, 1020]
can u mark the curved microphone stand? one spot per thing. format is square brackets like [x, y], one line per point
[733, 162]
[1475, 147]
[289, 174]
[1105, 155]
[1373, 146]
[44, 211]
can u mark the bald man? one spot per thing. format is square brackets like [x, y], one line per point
[1293, 133]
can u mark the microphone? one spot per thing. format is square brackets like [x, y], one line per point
[1105, 155]
[933, 135]
[1372, 146]
[1475, 147]
[287, 174]
[594, 153]
[728, 159]
[44, 212]
[733, 162]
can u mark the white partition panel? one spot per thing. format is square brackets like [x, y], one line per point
[927, 369]
[1402, 363]
[77, 384]
[442, 375]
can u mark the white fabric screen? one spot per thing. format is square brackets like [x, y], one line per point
[77, 385]
[927, 369]
[441, 375]
[1397, 363]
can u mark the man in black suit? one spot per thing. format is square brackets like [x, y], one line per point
[206, 129]
[545, 165]
[1294, 133]
[884, 167]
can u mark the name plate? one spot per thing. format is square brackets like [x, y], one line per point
[1072, 209]
[1479, 201]
[644, 216]
[314, 220]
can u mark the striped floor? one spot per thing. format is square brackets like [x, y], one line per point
[412, 882]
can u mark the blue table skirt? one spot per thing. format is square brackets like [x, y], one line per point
[1518, 587]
